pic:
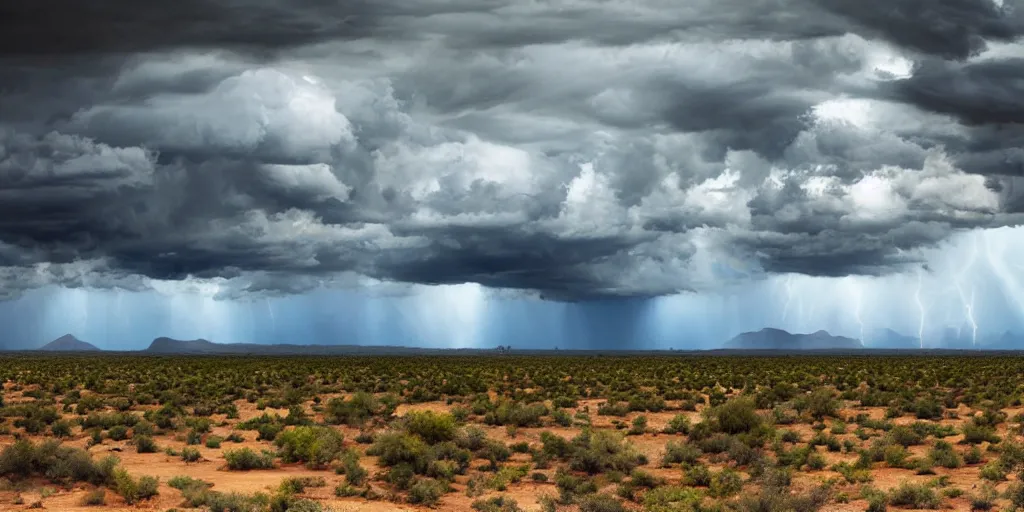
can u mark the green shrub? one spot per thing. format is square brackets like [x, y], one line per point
[245, 459]
[1016, 494]
[600, 503]
[816, 462]
[298, 484]
[923, 466]
[600, 451]
[314, 446]
[878, 502]
[927, 409]
[520, 447]
[914, 495]
[213, 442]
[145, 444]
[952, 492]
[972, 455]
[573, 485]
[190, 454]
[725, 483]
[183, 483]
[984, 500]
[820, 403]
[227, 502]
[905, 436]
[516, 413]
[430, 426]
[497, 504]
[395, 448]
[59, 464]
[561, 417]
[61, 428]
[619, 409]
[346, 491]
[427, 491]
[737, 416]
[993, 471]
[355, 474]
[118, 433]
[773, 498]
[133, 490]
[109, 420]
[679, 424]
[975, 432]
[292, 504]
[697, 475]
[896, 456]
[267, 431]
[790, 436]
[684, 453]
[942, 454]
[357, 410]
[639, 426]
[672, 499]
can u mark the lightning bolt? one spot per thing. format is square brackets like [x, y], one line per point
[920, 309]
[968, 305]
[273, 320]
[788, 286]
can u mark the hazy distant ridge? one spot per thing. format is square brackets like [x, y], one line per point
[164, 345]
[69, 343]
[778, 339]
[768, 339]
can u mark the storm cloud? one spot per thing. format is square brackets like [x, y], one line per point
[573, 149]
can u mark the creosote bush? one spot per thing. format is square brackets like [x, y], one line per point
[315, 446]
[244, 459]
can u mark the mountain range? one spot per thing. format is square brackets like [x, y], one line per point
[767, 339]
[200, 346]
[68, 343]
[778, 339]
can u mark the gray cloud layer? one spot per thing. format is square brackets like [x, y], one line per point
[570, 148]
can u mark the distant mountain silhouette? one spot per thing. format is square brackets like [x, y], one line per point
[69, 343]
[778, 339]
[890, 339]
[1006, 341]
[164, 345]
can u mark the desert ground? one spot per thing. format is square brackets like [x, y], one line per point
[87, 433]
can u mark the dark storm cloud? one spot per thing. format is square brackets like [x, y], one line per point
[509, 258]
[570, 148]
[989, 92]
[986, 96]
[952, 29]
[61, 27]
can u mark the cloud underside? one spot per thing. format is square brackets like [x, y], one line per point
[568, 148]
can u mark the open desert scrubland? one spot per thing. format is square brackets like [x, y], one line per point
[588, 434]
